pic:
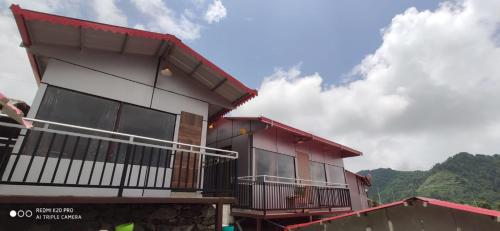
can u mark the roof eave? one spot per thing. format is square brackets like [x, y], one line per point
[345, 151]
[20, 14]
[23, 30]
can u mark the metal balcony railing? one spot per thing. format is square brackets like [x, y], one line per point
[266, 193]
[58, 154]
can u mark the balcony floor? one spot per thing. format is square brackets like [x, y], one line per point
[277, 214]
[113, 200]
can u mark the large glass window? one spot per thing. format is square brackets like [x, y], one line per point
[76, 108]
[146, 122]
[70, 107]
[335, 174]
[317, 171]
[149, 123]
[274, 164]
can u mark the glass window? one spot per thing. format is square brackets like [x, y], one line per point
[286, 166]
[335, 174]
[317, 171]
[274, 164]
[70, 107]
[149, 123]
[265, 163]
[146, 122]
[75, 108]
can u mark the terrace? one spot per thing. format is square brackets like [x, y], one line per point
[71, 159]
[267, 195]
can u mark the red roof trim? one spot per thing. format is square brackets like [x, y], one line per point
[299, 132]
[237, 103]
[27, 42]
[21, 15]
[286, 127]
[466, 208]
[446, 204]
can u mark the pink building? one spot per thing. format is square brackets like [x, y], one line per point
[284, 172]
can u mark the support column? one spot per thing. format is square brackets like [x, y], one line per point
[259, 224]
[218, 216]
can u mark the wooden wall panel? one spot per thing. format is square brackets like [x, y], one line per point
[186, 164]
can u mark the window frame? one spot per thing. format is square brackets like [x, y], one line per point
[117, 116]
[343, 174]
[324, 170]
[275, 162]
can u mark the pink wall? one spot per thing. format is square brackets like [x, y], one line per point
[270, 139]
[277, 140]
[357, 191]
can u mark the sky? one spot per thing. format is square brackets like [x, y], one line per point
[408, 83]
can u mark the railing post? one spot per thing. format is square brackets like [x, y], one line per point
[264, 206]
[235, 177]
[124, 171]
[318, 191]
[348, 198]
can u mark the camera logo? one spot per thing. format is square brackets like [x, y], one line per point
[21, 213]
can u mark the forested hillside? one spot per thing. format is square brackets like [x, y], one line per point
[463, 178]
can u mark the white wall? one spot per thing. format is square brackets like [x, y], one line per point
[81, 79]
[186, 85]
[127, 78]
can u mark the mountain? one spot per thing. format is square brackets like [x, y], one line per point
[463, 178]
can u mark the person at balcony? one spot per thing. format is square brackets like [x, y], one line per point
[13, 112]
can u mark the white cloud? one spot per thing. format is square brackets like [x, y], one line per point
[107, 12]
[140, 27]
[166, 20]
[431, 89]
[16, 77]
[50, 6]
[215, 12]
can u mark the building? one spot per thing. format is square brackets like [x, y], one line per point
[417, 213]
[358, 190]
[284, 172]
[119, 112]
[129, 116]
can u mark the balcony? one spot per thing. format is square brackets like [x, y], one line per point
[67, 156]
[265, 195]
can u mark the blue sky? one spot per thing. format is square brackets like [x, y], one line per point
[329, 37]
[408, 83]
[255, 37]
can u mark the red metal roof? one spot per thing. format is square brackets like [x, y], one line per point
[23, 15]
[347, 152]
[466, 208]
[446, 204]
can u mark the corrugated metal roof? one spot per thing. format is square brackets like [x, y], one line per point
[435, 202]
[37, 27]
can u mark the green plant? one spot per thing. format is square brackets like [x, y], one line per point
[125, 227]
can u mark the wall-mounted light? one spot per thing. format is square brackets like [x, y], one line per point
[166, 72]
[298, 140]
